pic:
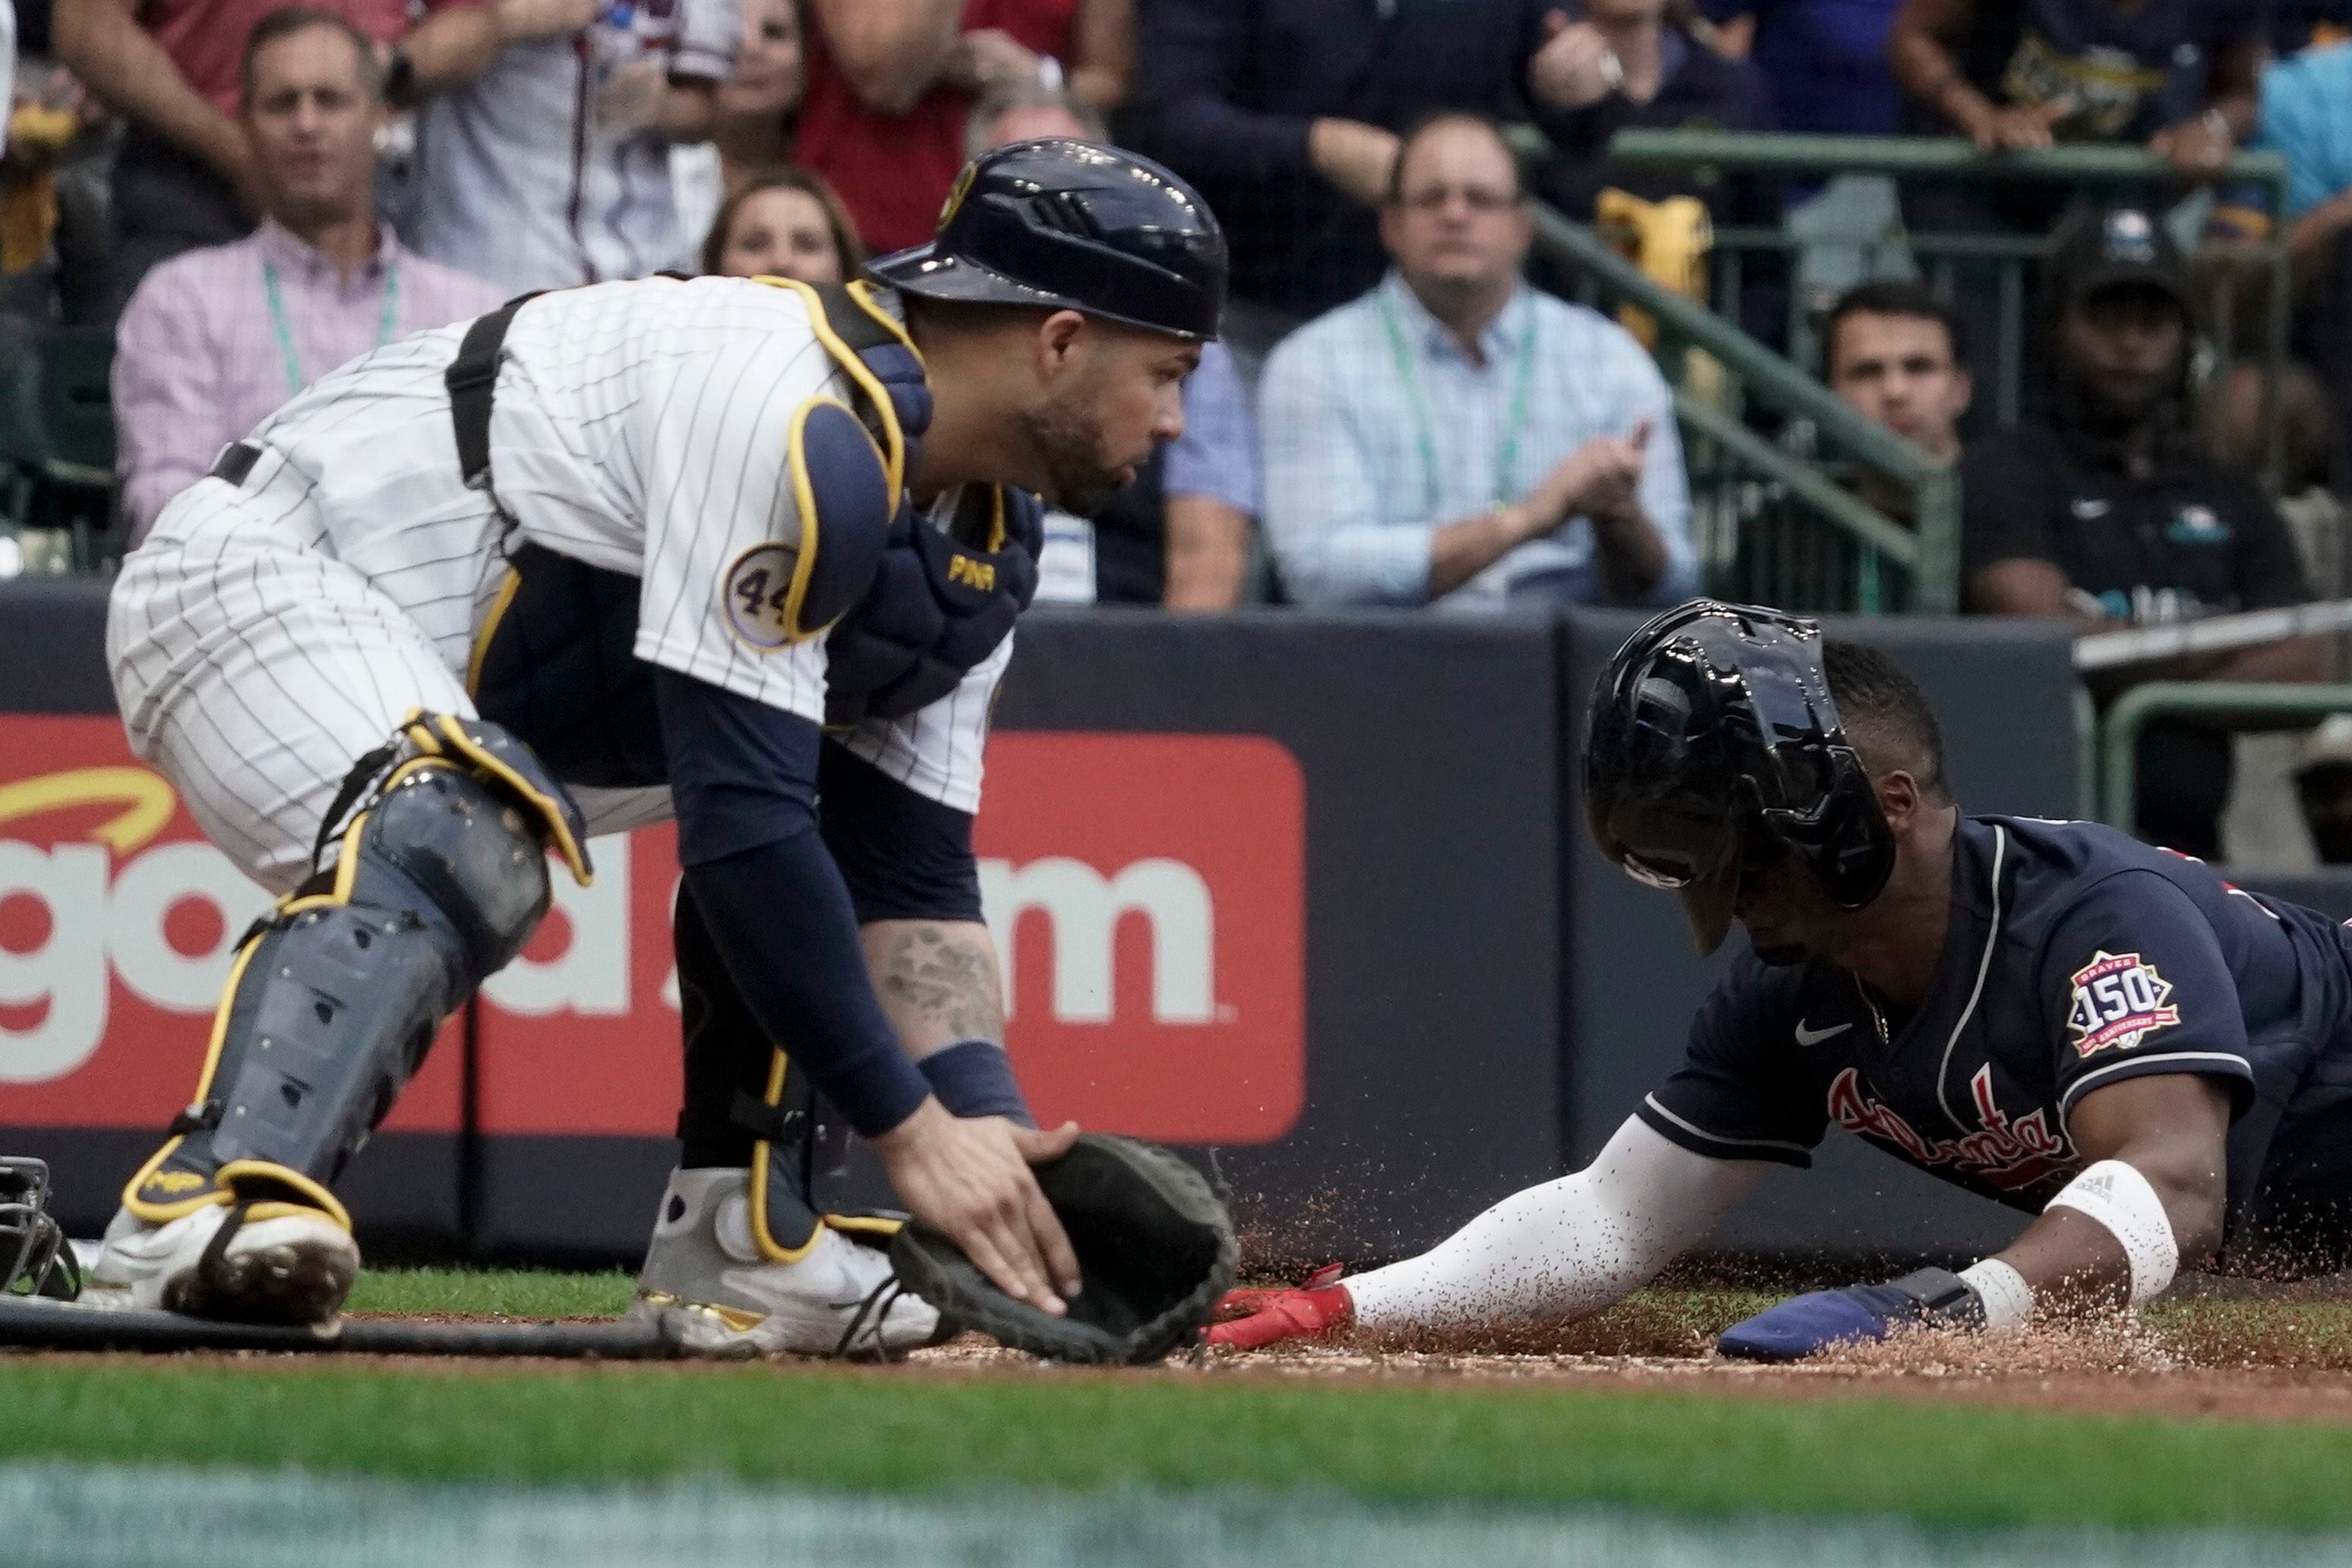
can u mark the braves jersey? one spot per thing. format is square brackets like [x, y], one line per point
[2076, 958]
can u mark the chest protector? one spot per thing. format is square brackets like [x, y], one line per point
[906, 609]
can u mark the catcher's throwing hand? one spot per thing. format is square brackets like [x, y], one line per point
[969, 1179]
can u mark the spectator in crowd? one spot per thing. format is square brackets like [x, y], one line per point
[2307, 115]
[787, 222]
[1641, 63]
[545, 160]
[8, 67]
[2021, 74]
[185, 175]
[216, 338]
[1825, 59]
[890, 82]
[52, 197]
[1180, 535]
[2307, 118]
[2178, 78]
[1287, 118]
[750, 127]
[1026, 112]
[2107, 513]
[1892, 352]
[1456, 437]
[2323, 784]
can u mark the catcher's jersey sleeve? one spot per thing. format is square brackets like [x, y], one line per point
[1739, 1094]
[2133, 981]
[936, 750]
[720, 517]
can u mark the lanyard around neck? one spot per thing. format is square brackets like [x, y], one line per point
[1506, 452]
[295, 380]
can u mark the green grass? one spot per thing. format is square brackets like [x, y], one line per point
[876, 1431]
[1403, 1440]
[505, 1292]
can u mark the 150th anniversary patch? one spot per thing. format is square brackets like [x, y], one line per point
[2119, 1000]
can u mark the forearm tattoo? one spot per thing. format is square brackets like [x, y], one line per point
[947, 975]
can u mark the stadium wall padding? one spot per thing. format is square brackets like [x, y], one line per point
[1307, 895]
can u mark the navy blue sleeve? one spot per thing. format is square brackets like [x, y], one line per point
[743, 778]
[1739, 1094]
[904, 855]
[1188, 55]
[2133, 982]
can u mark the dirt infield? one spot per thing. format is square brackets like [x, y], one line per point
[2287, 1359]
[2231, 1353]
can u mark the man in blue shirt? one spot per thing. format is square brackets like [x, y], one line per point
[1456, 437]
[2155, 1064]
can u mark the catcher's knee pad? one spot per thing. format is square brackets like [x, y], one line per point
[438, 878]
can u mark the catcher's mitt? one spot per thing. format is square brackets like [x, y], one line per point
[1155, 1251]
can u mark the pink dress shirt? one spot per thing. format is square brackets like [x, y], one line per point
[197, 362]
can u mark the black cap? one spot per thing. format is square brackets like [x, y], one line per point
[2118, 246]
[1074, 225]
[1713, 746]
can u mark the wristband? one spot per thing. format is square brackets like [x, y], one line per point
[2119, 1197]
[2008, 1299]
[974, 1078]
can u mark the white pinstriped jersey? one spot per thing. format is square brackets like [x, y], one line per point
[640, 427]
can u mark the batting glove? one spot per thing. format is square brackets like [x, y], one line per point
[1809, 1324]
[1274, 1316]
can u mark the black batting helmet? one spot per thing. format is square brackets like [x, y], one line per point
[1712, 745]
[1073, 225]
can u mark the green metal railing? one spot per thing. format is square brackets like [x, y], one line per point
[1993, 264]
[2229, 705]
[1774, 525]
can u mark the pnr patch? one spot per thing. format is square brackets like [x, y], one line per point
[757, 591]
[2119, 1000]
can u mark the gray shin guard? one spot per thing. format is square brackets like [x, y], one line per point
[335, 996]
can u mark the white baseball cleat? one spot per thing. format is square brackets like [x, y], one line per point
[286, 1264]
[706, 1275]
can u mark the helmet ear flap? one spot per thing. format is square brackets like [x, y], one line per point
[1842, 839]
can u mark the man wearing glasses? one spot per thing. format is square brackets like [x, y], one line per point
[1455, 437]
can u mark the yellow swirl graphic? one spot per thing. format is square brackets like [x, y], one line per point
[146, 798]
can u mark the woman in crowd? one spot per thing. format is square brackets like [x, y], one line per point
[786, 223]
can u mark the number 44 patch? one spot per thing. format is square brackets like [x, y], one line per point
[757, 595]
[2119, 1000]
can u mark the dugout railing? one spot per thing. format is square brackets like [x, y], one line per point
[2224, 704]
[2246, 282]
[1780, 519]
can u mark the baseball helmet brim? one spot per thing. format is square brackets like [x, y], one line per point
[928, 270]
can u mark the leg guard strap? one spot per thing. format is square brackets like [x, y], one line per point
[784, 1221]
[333, 999]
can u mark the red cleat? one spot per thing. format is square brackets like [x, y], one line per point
[1279, 1315]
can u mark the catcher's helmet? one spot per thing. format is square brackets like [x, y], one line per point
[1713, 744]
[34, 1256]
[1073, 225]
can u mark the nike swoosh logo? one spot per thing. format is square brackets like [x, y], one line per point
[1815, 1036]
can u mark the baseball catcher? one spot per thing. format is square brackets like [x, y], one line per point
[743, 552]
[2154, 1065]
